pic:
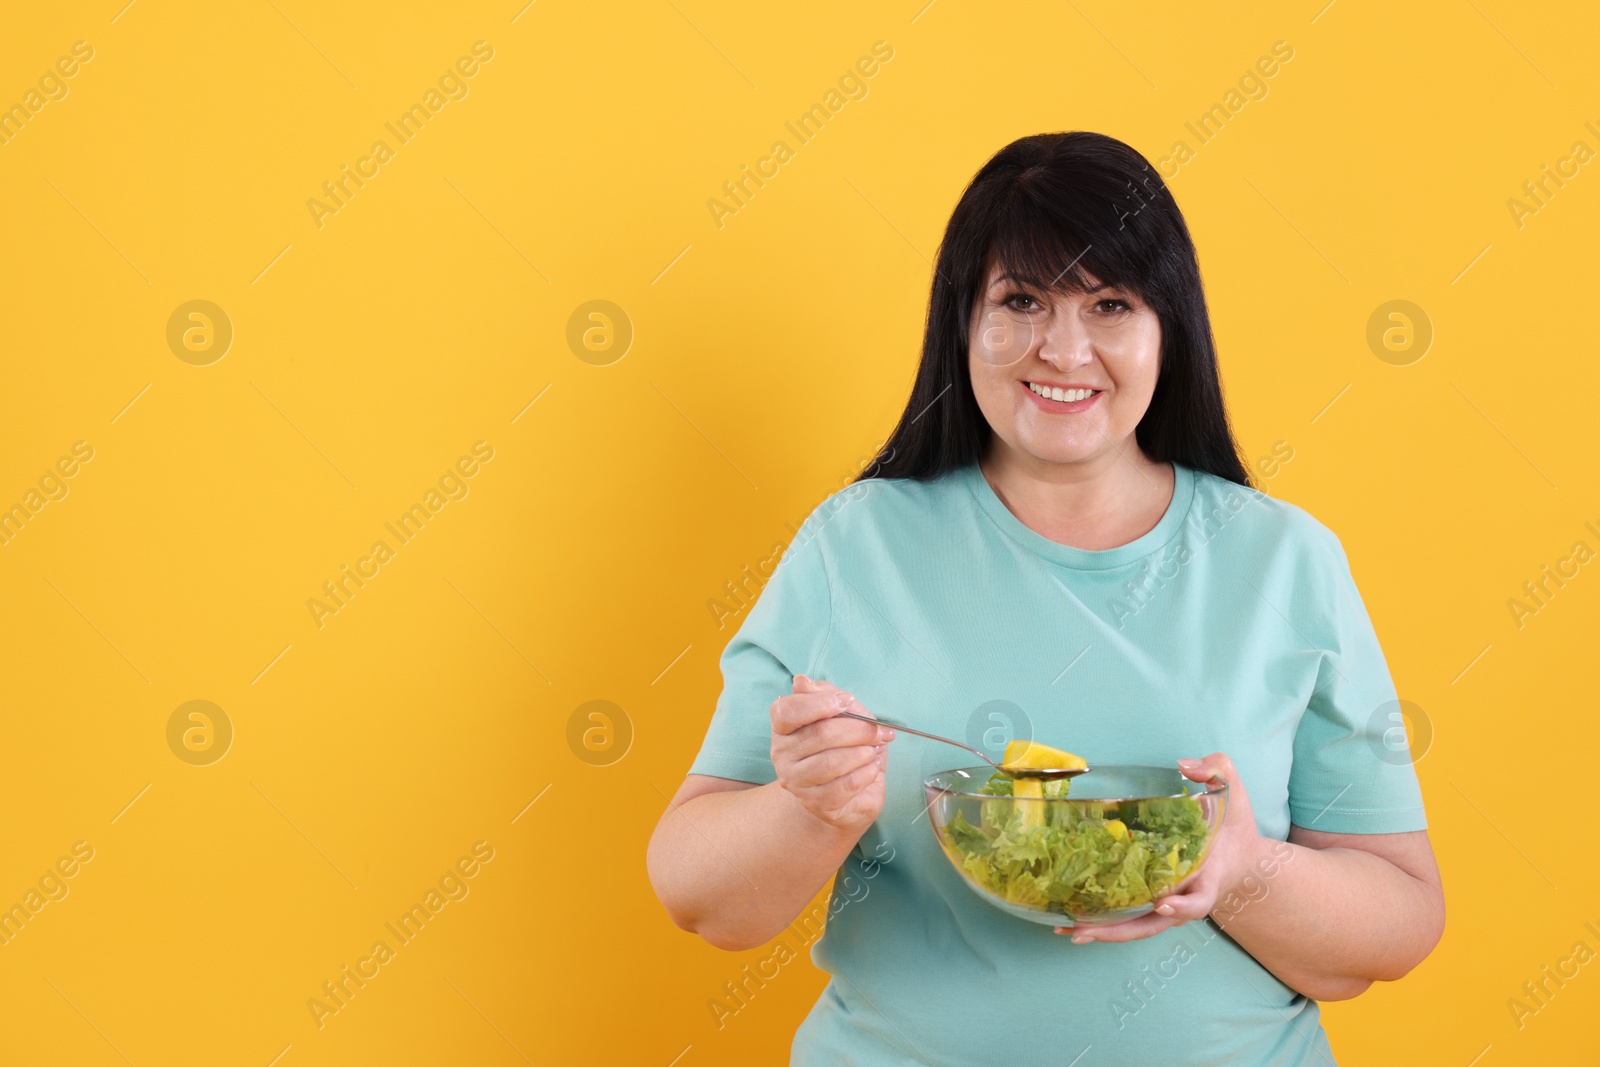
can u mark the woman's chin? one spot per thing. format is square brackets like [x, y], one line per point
[1065, 451]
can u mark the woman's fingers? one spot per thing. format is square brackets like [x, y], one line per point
[836, 793]
[1126, 930]
[810, 717]
[1189, 904]
[1150, 923]
[811, 702]
[830, 764]
[834, 764]
[1196, 895]
[859, 792]
[798, 710]
[1216, 765]
[835, 732]
[1172, 909]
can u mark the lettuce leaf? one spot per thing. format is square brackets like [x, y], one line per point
[1074, 863]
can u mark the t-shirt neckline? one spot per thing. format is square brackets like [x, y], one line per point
[1088, 559]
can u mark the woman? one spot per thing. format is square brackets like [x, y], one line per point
[1060, 539]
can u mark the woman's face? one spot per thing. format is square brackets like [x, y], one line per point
[1102, 348]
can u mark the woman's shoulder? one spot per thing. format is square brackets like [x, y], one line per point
[888, 508]
[1265, 523]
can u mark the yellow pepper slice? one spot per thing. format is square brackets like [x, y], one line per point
[1030, 755]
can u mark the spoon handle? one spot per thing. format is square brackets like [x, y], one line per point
[920, 733]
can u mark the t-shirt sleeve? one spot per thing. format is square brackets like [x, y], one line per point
[785, 634]
[1352, 770]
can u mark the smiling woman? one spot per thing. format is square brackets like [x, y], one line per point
[1064, 438]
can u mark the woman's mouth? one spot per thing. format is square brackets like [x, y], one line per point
[1058, 398]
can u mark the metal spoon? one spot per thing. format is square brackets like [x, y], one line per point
[1047, 773]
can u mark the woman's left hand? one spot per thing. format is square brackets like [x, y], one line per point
[1233, 850]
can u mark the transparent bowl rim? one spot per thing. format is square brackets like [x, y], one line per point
[1213, 786]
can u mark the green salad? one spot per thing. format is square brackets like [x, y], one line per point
[1076, 858]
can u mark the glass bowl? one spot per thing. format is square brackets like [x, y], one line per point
[1097, 848]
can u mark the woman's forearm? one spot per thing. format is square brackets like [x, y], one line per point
[1329, 922]
[737, 866]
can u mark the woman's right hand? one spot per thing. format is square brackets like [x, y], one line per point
[834, 766]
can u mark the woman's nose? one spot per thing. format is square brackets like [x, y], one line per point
[1063, 342]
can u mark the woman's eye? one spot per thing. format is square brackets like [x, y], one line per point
[1115, 305]
[1021, 301]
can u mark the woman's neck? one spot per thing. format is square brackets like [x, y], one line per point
[1095, 504]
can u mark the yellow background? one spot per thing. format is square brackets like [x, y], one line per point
[769, 357]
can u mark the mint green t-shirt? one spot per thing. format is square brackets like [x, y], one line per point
[1233, 625]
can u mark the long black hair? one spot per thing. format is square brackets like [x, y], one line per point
[1047, 208]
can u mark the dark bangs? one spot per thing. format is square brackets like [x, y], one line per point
[1053, 236]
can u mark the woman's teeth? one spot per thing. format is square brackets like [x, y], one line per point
[1066, 395]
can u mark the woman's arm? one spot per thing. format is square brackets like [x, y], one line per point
[1337, 912]
[1328, 914]
[735, 862]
